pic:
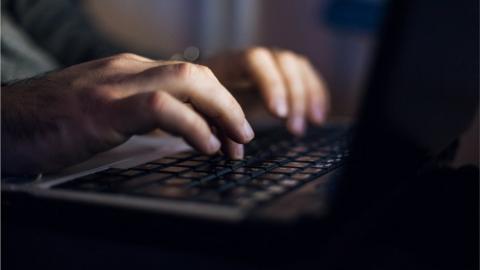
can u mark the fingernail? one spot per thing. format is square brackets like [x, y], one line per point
[247, 131]
[213, 144]
[318, 115]
[281, 108]
[237, 151]
[298, 125]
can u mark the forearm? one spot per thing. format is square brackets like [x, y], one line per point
[22, 127]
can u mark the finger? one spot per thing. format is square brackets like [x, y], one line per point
[289, 66]
[262, 68]
[230, 148]
[137, 57]
[123, 64]
[138, 114]
[317, 94]
[198, 86]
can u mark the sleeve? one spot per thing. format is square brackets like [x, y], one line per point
[60, 27]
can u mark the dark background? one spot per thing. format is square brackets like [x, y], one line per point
[337, 35]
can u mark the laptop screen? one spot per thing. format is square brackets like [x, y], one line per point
[421, 95]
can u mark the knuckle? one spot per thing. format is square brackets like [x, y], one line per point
[99, 92]
[119, 60]
[204, 69]
[157, 101]
[298, 105]
[184, 70]
[256, 52]
[286, 56]
[225, 106]
[114, 62]
[126, 56]
[274, 84]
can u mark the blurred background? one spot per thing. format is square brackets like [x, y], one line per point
[339, 48]
[337, 35]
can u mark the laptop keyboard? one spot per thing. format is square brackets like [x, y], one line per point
[275, 163]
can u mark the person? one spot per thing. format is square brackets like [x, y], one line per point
[68, 94]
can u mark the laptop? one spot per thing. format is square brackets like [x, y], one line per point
[421, 94]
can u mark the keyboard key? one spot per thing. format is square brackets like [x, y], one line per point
[208, 177]
[272, 176]
[164, 161]
[263, 165]
[307, 159]
[147, 167]
[321, 165]
[193, 175]
[189, 163]
[259, 183]
[320, 153]
[214, 159]
[295, 164]
[219, 172]
[183, 155]
[289, 183]
[300, 176]
[230, 163]
[211, 168]
[278, 160]
[173, 169]
[237, 191]
[235, 176]
[213, 184]
[250, 171]
[283, 170]
[201, 158]
[311, 170]
[324, 165]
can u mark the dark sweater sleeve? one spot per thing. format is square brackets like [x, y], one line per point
[60, 27]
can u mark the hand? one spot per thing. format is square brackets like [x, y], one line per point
[67, 116]
[288, 83]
